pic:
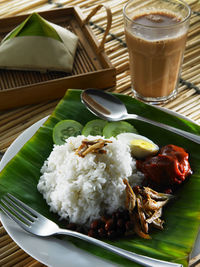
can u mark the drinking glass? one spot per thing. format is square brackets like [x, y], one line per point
[156, 33]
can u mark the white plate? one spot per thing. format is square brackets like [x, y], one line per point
[51, 251]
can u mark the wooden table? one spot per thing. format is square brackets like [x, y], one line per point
[15, 121]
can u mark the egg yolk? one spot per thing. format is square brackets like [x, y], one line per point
[142, 144]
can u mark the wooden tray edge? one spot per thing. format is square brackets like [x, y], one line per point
[55, 89]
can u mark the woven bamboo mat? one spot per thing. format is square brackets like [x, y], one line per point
[13, 122]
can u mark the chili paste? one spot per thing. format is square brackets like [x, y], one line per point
[167, 169]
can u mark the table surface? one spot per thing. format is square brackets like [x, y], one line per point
[15, 121]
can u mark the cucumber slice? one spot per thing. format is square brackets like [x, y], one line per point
[65, 129]
[117, 127]
[94, 127]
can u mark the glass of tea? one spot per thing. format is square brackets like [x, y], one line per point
[156, 33]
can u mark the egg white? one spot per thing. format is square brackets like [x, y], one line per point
[138, 151]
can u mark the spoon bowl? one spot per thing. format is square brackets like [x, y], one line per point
[104, 105]
[110, 108]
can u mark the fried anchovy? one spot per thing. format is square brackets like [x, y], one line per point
[145, 208]
[94, 146]
[130, 197]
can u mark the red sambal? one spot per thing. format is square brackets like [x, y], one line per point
[167, 169]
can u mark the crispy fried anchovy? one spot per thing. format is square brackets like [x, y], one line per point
[130, 197]
[151, 204]
[158, 223]
[142, 216]
[137, 227]
[94, 146]
[145, 208]
[157, 214]
[155, 195]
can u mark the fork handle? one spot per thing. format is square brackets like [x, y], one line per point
[143, 260]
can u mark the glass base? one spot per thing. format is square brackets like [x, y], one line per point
[155, 100]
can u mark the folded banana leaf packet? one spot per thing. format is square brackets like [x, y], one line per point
[38, 45]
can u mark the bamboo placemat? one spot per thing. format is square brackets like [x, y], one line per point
[13, 122]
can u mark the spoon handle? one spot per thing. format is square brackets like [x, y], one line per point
[193, 137]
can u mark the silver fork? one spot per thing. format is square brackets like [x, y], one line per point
[35, 223]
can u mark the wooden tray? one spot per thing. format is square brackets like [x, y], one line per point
[92, 68]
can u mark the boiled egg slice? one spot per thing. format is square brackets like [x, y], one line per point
[140, 145]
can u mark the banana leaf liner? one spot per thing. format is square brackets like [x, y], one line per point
[182, 215]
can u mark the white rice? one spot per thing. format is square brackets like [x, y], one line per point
[81, 189]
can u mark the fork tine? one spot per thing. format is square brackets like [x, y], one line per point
[22, 204]
[18, 208]
[10, 215]
[15, 213]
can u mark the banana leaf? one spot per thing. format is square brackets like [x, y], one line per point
[182, 216]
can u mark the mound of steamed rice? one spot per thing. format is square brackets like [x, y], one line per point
[82, 189]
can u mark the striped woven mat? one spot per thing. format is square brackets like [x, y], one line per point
[15, 121]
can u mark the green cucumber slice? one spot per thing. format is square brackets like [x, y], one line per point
[117, 127]
[94, 127]
[65, 129]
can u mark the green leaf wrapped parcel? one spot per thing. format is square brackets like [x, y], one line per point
[38, 45]
[182, 215]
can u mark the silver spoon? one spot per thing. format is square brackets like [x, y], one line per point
[109, 107]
